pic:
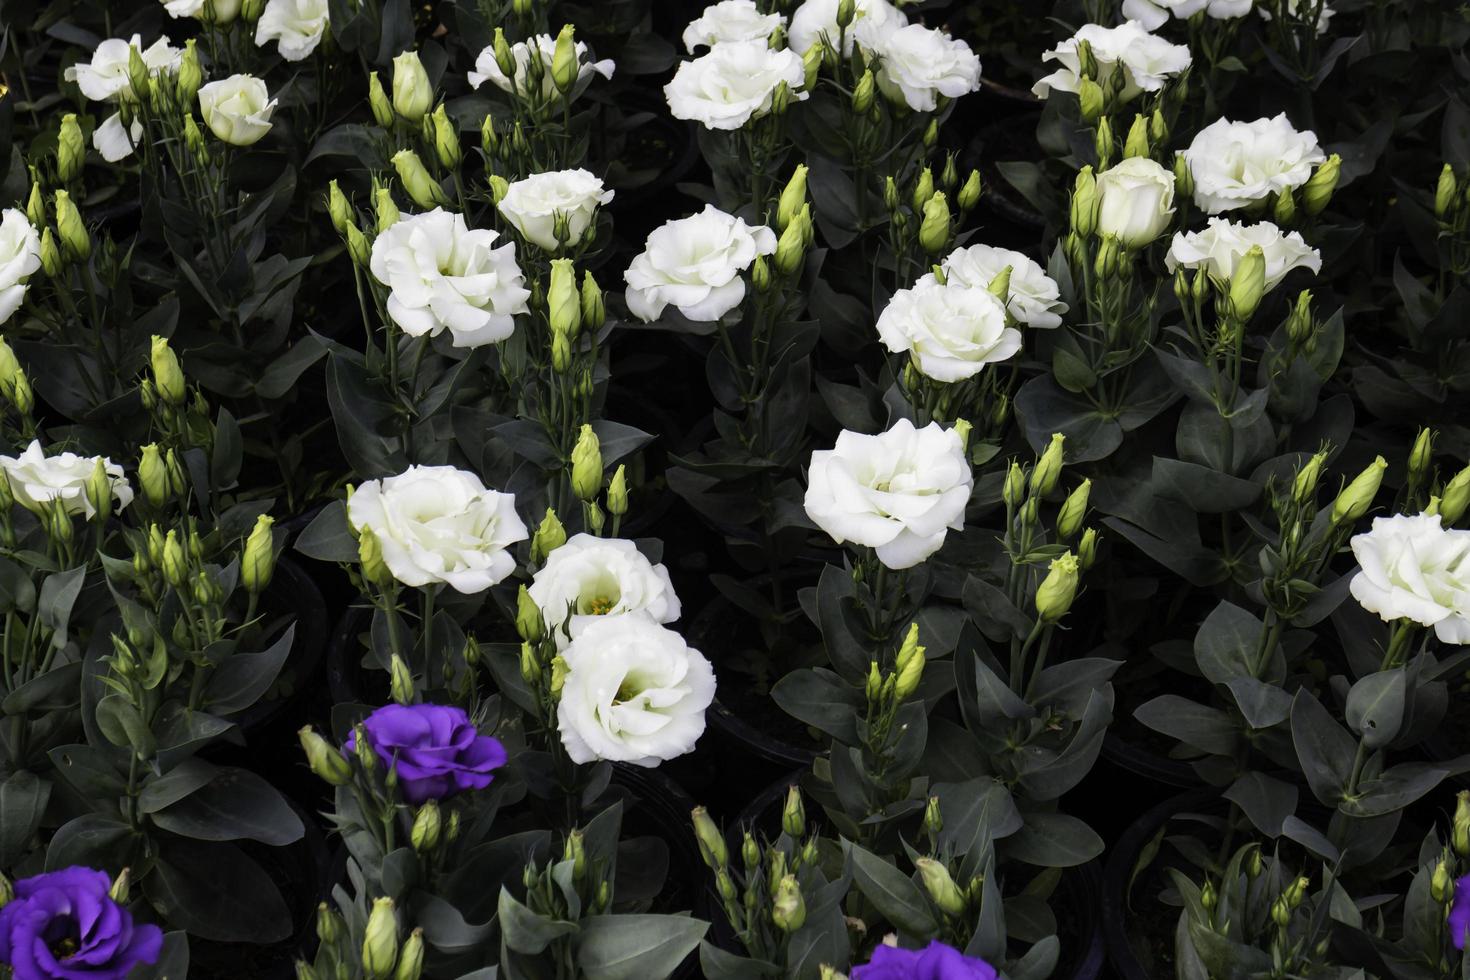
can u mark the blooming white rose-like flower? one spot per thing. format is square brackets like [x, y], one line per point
[20, 257]
[898, 492]
[730, 20]
[589, 577]
[950, 331]
[918, 64]
[1033, 298]
[1235, 164]
[105, 78]
[543, 45]
[224, 10]
[237, 109]
[634, 692]
[733, 83]
[439, 524]
[1294, 7]
[695, 263]
[36, 480]
[1153, 14]
[872, 21]
[1135, 201]
[532, 204]
[1147, 60]
[1412, 568]
[114, 141]
[297, 26]
[1224, 243]
[443, 275]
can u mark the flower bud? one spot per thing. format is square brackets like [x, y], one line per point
[760, 274]
[1355, 499]
[71, 151]
[499, 186]
[549, 536]
[177, 484]
[969, 195]
[1304, 486]
[1455, 498]
[327, 763]
[788, 908]
[1048, 467]
[561, 353]
[50, 254]
[428, 827]
[750, 854]
[931, 134]
[793, 814]
[505, 59]
[791, 246]
[36, 205]
[1281, 913]
[358, 247]
[1102, 143]
[793, 197]
[1317, 191]
[139, 77]
[1055, 593]
[400, 678]
[587, 465]
[962, 428]
[1014, 489]
[370, 558]
[594, 309]
[168, 376]
[380, 941]
[412, 93]
[1207, 896]
[934, 231]
[1254, 865]
[933, 819]
[190, 75]
[411, 958]
[338, 209]
[923, 189]
[1074, 511]
[873, 687]
[564, 63]
[712, 845]
[1283, 211]
[153, 475]
[1090, 100]
[617, 492]
[1086, 60]
[446, 139]
[846, 11]
[863, 92]
[1421, 457]
[424, 190]
[1441, 884]
[1158, 128]
[1136, 143]
[563, 302]
[941, 887]
[385, 212]
[1444, 192]
[811, 65]
[378, 101]
[1299, 323]
[329, 924]
[890, 194]
[530, 668]
[1460, 828]
[1248, 284]
[69, 225]
[258, 563]
[1084, 203]
[1296, 892]
[909, 664]
[1183, 177]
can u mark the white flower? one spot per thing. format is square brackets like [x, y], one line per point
[224, 10]
[532, 205]
[1147, 60]
[695, 264]
[237, 109]
[439, 524]
[733, 84]
[36, 480]
[1294, 7]
[634, 692]
[1223, 243]
[544, 46]
[918, 64]
[1034, 297]
[872, 21]
[898, 492]
[730, 20]
[20, 257]
[105, 77]
[1152, 14]
[1135, 201]
[1235, 164]
[951, 331]
[115, 142]
[589, 577]
[297, 26]
[1412, 568]
[444, 276]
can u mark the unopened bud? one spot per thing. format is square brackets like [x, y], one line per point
[1355, 499]
[378, 101]
[380, 941]
[1318, 190]
[1074, 511]
[934, 231]
[325, 761]
[549, 536]
[587, 465]
[788, 908]
[941, 887]
[1136, 142]
[424, 189]
[73, 231]
[412, 93]
[1444, 192]
[1056, 592]
[1248, 283]
[71, 151]
[428, 827]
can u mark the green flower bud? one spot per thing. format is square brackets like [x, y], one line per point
[327, 763]
[1086, 60]
[1158, 127]
[793, 196]
[499, 186]
[549, 536]
[194, 140]
[1444, 192]
[1460, 828]
[1304, 486]
[1254, 865]
[168, 376]
[10, 369]
[177, 484]
[863, 92]
[1207, 896]
[1248, 284]
[1296, 892]
[1102, 143]
[1281, 913]
[909, 664]
[1084, 203]
[933, 819]
[1055, 593]
[750, 854]
[424, 190]
[1183, 177]
[1421, 457]
[1136, 143]
[98, 492]
[121, 887]
[73, 231]
[1318, 190]
[811, 65]
[139, 80]
[338, 209]
[587, 465]
[1000, 285]
[1355, 499]
[329, 925]
[530, 625]
[71, 150]
[1074, 511]
[370, 558]
[934, 231]
[923, 189]
[558, 675]
[358, 247]
[190, 75]
[153, 475]
[1455, 498]
[969, 195]
[1048, 467]
[791, 246]
[1283, 211]
[50, 254]
[258, 563]
[1441, 883]
[411, 958]
[400, 678]
[385, 212]
[380, 941]
[931, 134]
[446, 139]
[594, 309]
[378, 102]
[412, 93]
[505, 59]
[890, 194]
[428, 827]
[788, 908]
[941, 887]
[712, 846]
[793, 814]
[846, 11]
[530, 668]
[564, 63]
[617, 492]
[561, 353]
[1013, 490]
[36, 206]
[873, 687]
[563, 302]
[1299, 323]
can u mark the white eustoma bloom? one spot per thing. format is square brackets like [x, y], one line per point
[1412, 568]
[1033, 297]
[544, 47]
[443, 275]
[1224, 243]
[899, 492]
[105, 78]
[224, 10]
[37, 480]
[918, 64]
[949, 330]
[438, 524]
[694, 264]
[1146, 60]
[1153, 13]
[113, 140]
[237, 109]
[297, 26]
[1294, 7]
[1235, 164]
[634, 692]
[1135, 201]
[872, 21]
[533, 204]
[20, 257]
[733, 84]
[589, 577]
[730, 20]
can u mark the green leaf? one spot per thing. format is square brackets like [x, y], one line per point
[1265, 800]
[1375, 707]
[526, 932]
[214, 891]
[1053, 840]
[1196, 725]
[23, 799]
[636, 947]
[1395, 789]
[58, 594]
[820, 698]
[1325, 750]
[244, 678]
[976, 813]
[329, 536]
[901, 901]
[236, 804]
[174, 785]
[57, 689]
[97, 840]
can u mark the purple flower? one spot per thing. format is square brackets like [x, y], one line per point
[63, 925]
[435, 747]
[934, 962]
[1460, 912]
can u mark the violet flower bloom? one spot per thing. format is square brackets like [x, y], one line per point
[63, 925]
[1460, 912]
[934, 962]
[436, 749]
